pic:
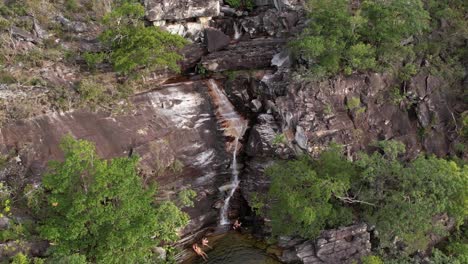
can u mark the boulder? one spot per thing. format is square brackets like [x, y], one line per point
[216, 40]
[342, 245]
[180, 9]
[4, 223]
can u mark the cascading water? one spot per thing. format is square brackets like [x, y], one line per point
[237, 31]
[234, 126]
[234, 184]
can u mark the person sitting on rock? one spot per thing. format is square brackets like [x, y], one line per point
[237, 224]
[205, 242]
[199, 251]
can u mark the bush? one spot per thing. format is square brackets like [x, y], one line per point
[133, 46]
[359, 38]
[241, 4]
[101, 209]
[371, 260]
[20, 258]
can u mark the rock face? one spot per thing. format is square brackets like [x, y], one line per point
[343, 246]
[175, 124]
[180, 9]
[216, 40]
[255, 54]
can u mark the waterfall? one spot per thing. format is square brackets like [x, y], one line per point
[237, 31]
[234, 126]
[234, 184]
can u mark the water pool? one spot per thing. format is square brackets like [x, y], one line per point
[234, 248]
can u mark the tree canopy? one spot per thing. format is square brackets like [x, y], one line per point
[100, 210]
[356, 37]
[131, 45]
[402, 199]
[303, 193]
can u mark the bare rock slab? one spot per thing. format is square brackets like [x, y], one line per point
[180, 9]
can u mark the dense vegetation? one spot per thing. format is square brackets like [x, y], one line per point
[91, 200]
[402, 199]
[349, 36]
[131, 45]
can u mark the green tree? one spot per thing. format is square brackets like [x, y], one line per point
[131, 45]
[99, 209]
[406, 197]
[303, 193]
[349, 37]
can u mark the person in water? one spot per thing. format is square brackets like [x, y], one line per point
[199, 251]
[205, 242]
[237, 224]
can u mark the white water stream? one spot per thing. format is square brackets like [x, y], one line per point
[237, 31]
[234, 184]
[234, 126]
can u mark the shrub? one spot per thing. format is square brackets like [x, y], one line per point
[371, 260]
[186, 197]
[241, 4]
[93, 59]
[20, 258]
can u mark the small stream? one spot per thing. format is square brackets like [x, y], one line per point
[234, 248]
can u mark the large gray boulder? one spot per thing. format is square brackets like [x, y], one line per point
[216, 39]
[180, 9]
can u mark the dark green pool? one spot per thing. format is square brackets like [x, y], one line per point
[234, 248]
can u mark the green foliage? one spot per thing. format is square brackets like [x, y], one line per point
[402, 199]
[241, 4]
[279, 139]
[72, 259]
[303, 192]
[406, 198]
[177, 166]
[371, 260]
[93, 59]
[133, 46]
[5, 199]
[6, 77]
[455, 251]
[71, 5]
[408, 71]
[100, 209]
[464, 123]
[34, 196]
[186, 197]
[93, 93]
[354, 104]
[359, 38]
[20, 258]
